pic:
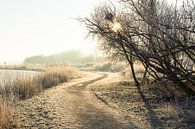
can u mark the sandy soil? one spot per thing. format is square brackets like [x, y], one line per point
[70, 106]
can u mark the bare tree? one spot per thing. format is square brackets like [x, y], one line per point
[160, 36]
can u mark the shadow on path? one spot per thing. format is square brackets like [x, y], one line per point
[90, 114]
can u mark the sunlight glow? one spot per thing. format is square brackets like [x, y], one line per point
[116, 27]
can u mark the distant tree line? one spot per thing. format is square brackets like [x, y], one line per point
[158, 35]
[68, 57]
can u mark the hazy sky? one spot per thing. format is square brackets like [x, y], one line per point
[36, 27]
[31, 27]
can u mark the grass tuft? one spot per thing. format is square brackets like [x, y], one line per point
[6, 114]
[56, 75]
[26, 88]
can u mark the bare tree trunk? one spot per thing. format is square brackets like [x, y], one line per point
[133, 74]
[130, 61]
[145, 73]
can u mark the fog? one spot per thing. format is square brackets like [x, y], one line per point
[42, 27]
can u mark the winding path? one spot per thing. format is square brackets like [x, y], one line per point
[70, 106]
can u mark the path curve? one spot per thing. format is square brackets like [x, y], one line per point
[69, 106]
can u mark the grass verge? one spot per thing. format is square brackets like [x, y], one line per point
[25, 87]
[6, 115]
[149, 106]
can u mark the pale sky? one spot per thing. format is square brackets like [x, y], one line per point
[42, 27]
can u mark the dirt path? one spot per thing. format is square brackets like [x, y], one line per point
[70, 106]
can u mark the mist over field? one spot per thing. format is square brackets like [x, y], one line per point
[44, 27]
[69, 57]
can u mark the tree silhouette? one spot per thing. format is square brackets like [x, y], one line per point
[160, 36]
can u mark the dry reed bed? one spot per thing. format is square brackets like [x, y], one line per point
[26, 87]
[6, 114]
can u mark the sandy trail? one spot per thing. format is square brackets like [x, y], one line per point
[70, 106]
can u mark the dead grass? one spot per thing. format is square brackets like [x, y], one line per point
[6, 114]
[105, 66]
[178, 112]
[139, 70]
[26, 87]
[21, 87]
[155, 111]
[57, 74]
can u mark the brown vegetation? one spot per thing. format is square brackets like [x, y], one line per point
[6, 114]
[57, 74]
[26, 87]
[150, 107]
[106, 66]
